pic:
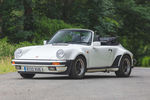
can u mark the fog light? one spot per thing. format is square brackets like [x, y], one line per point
[52, 68]
[18, 67]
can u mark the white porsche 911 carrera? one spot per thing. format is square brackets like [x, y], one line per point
[74, 52]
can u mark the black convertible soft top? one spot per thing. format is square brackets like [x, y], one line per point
[107, 40]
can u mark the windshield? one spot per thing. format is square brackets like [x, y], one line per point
[72, 36]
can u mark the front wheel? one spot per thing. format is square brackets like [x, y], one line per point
[78, 68]
[125, 67]
[27, 75]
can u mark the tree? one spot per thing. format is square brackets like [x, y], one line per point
[93, 14]
[25, 20]
[135, 19]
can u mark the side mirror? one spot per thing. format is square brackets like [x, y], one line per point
[97, 43]
[45, 42]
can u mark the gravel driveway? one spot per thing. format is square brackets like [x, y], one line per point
[95, 86]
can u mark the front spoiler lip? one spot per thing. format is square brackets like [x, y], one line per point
[63, 73]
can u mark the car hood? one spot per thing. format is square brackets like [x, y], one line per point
[47, 51]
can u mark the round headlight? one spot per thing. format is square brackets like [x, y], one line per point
[60, 53]
[18, 53]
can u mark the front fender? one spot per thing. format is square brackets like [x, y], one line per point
[73, 53]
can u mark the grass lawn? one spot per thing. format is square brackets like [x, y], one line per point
[5, 65]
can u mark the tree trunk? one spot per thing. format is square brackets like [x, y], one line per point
[66, 8]
[1, 20]
[28, 21]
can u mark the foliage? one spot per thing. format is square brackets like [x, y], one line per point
[46, 27]
[6, 49]
[5, 65]
[146, 61]
[37, 20]
[93, 14]
[135, 19]
[12, 19]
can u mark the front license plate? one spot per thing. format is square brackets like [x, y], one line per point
[33, 69]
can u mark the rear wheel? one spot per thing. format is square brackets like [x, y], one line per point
[125, 67]
[27, 75]
[78, 68]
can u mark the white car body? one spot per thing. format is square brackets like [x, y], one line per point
[98, 57]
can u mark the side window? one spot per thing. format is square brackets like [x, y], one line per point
[96, 38]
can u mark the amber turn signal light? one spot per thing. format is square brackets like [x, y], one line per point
[13, 62]
[55, 63]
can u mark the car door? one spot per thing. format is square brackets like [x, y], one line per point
[112, 54]
[100, 56]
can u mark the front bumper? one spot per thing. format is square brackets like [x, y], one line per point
[42, 66]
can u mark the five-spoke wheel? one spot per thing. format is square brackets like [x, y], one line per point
[125, 67]
[78, 67]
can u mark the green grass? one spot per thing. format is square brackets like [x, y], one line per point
[5, 65]
[146, 61]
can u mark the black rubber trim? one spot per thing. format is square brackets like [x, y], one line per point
[39, 63]
[102, 67]
[116, 61]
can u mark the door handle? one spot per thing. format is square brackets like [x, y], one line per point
[110, 50]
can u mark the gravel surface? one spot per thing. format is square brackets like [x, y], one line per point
[95, 86]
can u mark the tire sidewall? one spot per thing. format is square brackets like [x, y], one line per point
[73, 72]
[27, 76]
[121, 72]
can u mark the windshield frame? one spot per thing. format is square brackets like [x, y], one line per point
[81, 43]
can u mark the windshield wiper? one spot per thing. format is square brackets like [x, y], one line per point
[70, 42]
[78, 42]
[59, 43]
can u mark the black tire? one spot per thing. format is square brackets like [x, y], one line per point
[28, 76]
[78, 68]
[125, 67]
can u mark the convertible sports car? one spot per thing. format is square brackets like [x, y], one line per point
[74, 52]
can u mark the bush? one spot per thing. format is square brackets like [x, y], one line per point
[146, 61]
[6, 49]
[6, 66]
